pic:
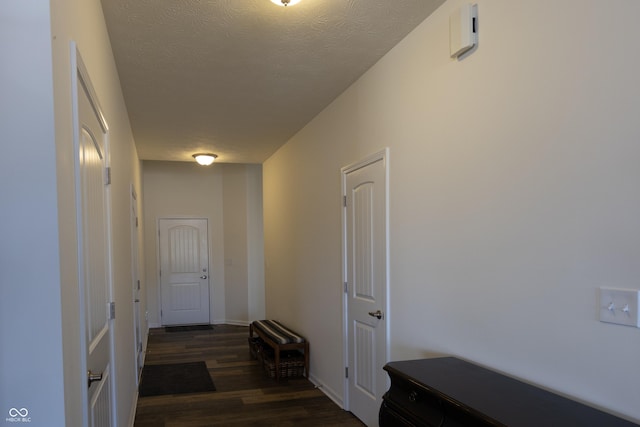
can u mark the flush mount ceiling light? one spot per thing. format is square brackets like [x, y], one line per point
[285, 2]
[204, 159]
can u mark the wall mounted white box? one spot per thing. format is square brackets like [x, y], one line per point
[463, 30]
[620, 306]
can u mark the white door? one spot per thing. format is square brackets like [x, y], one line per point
[94, 254]
[365, 186]
[184, 271]
[137, 324]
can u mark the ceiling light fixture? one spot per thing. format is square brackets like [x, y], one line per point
[285, 2]
[204, 159]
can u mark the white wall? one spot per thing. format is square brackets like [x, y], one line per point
[39, 300]
[513, 199]
[236, 278]
[243, 243]
[222, 193]
[255, 243]
[30, 311]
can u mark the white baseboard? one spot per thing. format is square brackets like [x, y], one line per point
[331, 394]
[144, 358]
[214, 322]
[132, 416]
[237, 322]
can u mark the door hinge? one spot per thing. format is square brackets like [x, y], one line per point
[346, 372]
[138, 284]
[160, 313]
[112, 310]
[344, 201]
[107, 175]
[136, 222]
[346, 287]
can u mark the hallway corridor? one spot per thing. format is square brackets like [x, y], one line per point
[244, 395]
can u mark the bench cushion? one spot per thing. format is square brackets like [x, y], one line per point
[277, 332]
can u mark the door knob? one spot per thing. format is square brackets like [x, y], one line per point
[377, 314]
[204, 276]
[91, 377]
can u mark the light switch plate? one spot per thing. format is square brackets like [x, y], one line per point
[619, 306]
[462, 29]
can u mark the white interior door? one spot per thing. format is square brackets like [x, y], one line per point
[366, 280]
[94, 250]
[184, 271]
[137, 324]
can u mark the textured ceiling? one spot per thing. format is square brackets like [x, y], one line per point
[240, 77]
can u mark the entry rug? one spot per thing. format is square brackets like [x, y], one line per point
[175, 378]
[188, 328]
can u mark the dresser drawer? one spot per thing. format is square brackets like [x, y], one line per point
[414, 402]
[390, 417]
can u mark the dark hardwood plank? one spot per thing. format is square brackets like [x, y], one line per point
[245, 395]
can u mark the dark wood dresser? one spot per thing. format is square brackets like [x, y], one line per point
[449, 392]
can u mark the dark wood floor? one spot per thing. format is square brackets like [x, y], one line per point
[244, 395]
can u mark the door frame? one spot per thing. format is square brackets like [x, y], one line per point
[382, 155]
[159, 263]
[138, 333]
[80, 77]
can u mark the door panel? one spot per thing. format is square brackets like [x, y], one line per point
[94, 242]
[94, 253]
[362, 221]
[184, 258]
[100, 406]
[365, 355]
[366, 277]
[184, 296]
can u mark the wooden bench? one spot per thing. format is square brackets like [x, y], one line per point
[280, 338]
